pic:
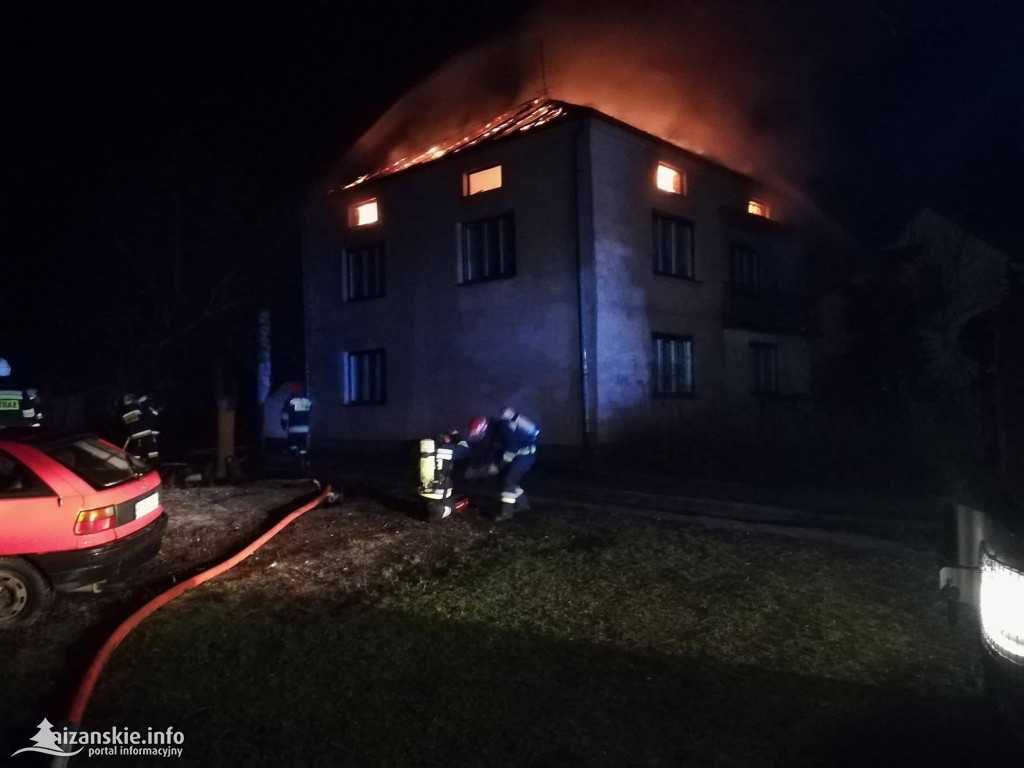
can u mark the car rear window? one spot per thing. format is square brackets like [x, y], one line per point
[99, 464]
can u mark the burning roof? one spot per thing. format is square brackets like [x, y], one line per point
[520, 119]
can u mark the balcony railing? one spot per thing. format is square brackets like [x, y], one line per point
[762, 309]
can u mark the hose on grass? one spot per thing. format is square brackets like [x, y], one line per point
[92, 675]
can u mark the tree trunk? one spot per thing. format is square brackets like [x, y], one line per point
[225, 398]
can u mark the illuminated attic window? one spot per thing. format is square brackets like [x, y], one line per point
[482, 181]
[361, 214]
[669, 179]
[757, 208]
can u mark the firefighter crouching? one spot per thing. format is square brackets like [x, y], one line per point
[437, 457]
[510, 440]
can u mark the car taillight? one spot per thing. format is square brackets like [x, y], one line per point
[94, 521]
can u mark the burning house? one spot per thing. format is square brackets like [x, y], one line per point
[600, 279]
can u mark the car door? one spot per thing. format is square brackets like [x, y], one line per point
[35, 515]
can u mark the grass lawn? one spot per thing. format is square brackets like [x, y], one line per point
[570, 640]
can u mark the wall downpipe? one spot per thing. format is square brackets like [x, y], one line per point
[584, 262]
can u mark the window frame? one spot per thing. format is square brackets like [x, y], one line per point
[656, 241]
[756, 357]
[689, 372]
[353, 215]
[351, 357]
[746, 288]
[473, 172]
[682, 179]
[504, 219]
[765, 209]
[347, 255]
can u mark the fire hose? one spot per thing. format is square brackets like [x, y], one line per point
[95, 669]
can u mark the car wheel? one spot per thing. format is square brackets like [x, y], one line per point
[25, 594]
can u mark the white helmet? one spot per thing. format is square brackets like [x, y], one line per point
[5, 367]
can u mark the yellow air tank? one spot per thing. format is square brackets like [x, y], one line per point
[427, 465]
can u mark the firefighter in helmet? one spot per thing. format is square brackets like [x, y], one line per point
[295, 420]
[515, 438]
[19, 407]
[137, 425]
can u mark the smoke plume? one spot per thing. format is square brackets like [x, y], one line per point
[738, 81]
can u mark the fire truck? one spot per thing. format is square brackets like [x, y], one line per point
[987, 552]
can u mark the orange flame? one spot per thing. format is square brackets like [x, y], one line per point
[739, 86]
[530, 115]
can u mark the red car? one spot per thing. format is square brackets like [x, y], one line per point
[74, 511]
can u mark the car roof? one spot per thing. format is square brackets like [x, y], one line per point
[40, 438]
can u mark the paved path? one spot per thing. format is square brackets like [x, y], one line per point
[574, 493]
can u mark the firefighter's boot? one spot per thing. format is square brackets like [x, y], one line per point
[513, 499]
[506, 514]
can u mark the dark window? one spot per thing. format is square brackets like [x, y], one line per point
[18, 481]
[363, 272]
[364, 377]
[672, 365]
[746, 272]
[673, 246]
[764, 368]
[488, 249]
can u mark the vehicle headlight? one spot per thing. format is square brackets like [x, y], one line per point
[1002, 607]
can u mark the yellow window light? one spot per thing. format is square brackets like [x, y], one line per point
[362, 214]
[483, 180]
[668, 179]
[757, 208]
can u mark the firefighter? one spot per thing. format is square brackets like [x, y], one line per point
[515, 437]
[437, 459]
[295, 421]
[137, 423]
[19, 407]
[484, 447]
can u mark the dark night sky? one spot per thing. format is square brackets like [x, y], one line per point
[106, 107]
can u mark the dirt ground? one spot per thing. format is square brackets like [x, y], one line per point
[352, 549]
[368, 548]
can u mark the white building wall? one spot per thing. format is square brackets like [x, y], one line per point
[453, 351]
[633, 302]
